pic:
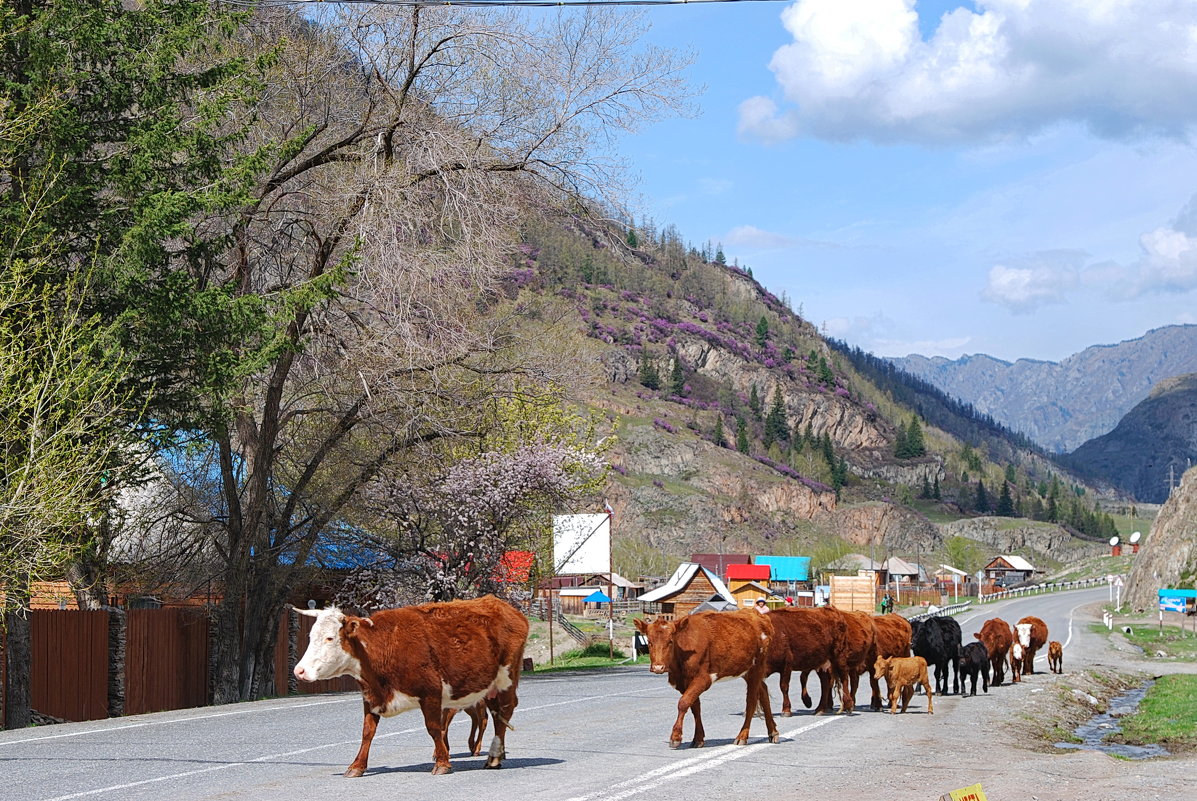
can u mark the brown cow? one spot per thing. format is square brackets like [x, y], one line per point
[804, 640]
[701, 649]
[1015, 661]
[478, 721]
[901, 673]
[1031, 633]
[1055, 657]
[850, 659]
[437, 657]
[891, 637]
[997, 638]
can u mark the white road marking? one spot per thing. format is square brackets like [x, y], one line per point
[269, 757]
[687, 767]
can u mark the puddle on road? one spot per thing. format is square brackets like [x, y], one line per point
[1094, 733]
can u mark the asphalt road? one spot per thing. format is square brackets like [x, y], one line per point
[584, 736]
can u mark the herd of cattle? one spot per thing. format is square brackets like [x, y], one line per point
[446, 657]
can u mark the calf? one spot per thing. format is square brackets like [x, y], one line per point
[901, 673]
[707, 647]
[1031, 635]
[435, 657]
[1055, 657]
[1015, 662]
[974, 659]
[937, 640]
[891, 637]
[997, 638]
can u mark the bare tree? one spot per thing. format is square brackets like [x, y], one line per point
[399, 150]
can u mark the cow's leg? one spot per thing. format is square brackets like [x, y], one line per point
[358, 766]
[502, 708]
[751, 699]
[875, 686]
[806, 701]
[783, 679]
[478, 720]
[770, 724]
[930, 709]
[434, 719]
[907, 694]
[689, 703]
[984, 680]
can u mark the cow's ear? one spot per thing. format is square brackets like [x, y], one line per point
[640, 625]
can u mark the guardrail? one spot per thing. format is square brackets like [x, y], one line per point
[950, 609]
[1039, 589]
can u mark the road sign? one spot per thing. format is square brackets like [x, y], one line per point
[970, 793]
[1118, 581]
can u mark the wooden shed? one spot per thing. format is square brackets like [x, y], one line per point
[689, 586]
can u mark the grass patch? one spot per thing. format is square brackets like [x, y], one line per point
[595, 655]
[1175, 643]
[1167, 715]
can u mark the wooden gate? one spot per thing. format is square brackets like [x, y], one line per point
[166, 660]
[69, 663]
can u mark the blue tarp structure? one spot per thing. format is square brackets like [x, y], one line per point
[597, 597]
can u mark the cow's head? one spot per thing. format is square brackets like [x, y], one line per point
[660, 642]
[1023, 634]
[1016, 651]
[328, 654]
[881, 666]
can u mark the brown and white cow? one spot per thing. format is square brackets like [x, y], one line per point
[901, 673]
[1031, 633]
[804, 640]
[435, 657]
[700, 649]
[891, 637]
[1055, 657]
[997, 638]
[1015, 660]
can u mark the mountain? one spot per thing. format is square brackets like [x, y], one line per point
[1150, 447]
[739, 429]
[1063, 404]
[1168, 556]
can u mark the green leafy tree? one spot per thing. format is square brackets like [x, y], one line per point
[1011, 476]
[649, 376]
[633, 240]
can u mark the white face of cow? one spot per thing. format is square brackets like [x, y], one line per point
[326, 657]
[1016, 650]
[1024, 634]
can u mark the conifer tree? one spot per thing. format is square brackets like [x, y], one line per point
[762, 332]
[754, 403]
[982, 501]
[677, 378]
[776, 429]
[915, 446]
[649, 376]
[1005, 504]
[741, 435]
[935, 493]
[718, 437]
[925, 493]
[901, 448]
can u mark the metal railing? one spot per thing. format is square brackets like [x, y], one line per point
[950, 609]
[1039, 589]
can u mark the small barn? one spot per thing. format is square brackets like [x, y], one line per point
[1008, 569]
[747, 593]
[690, 585]
[718, 563]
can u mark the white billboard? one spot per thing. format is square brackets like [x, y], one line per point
[582, 543]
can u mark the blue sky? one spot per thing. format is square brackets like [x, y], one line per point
[1011, 177]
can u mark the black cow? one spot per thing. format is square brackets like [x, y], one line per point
[974, 659]
[937, 640]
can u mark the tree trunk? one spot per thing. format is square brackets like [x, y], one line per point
[18, 712]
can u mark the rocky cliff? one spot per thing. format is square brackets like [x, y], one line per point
[1063, 404]
[1017, 536]
[1168, 557]
[1150, 447]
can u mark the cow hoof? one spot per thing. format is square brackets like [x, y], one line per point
[354, 773]
[698, 743]
[441, 770]
[740, 741]
[775, 737]
[806, 702]
[675, 744]
[786, 713]
[494, 762]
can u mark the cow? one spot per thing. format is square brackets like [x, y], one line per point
[478, 720]
[1031, 635]
[701, 649]
[901, 673]
[937, 640]
[891, 637]
[974, 659]
[853, 658]
[437, 657]
[997, 638]
[804, 640]
[1055, 657]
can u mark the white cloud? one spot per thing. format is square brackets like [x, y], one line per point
[751, 237]
[1035, 281]
[861, 69]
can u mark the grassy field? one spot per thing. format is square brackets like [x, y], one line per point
[1172, 641]
[1167, 715]
[592, 656]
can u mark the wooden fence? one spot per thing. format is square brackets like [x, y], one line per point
[89, 665]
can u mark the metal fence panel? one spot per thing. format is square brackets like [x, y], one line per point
[166, 660]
